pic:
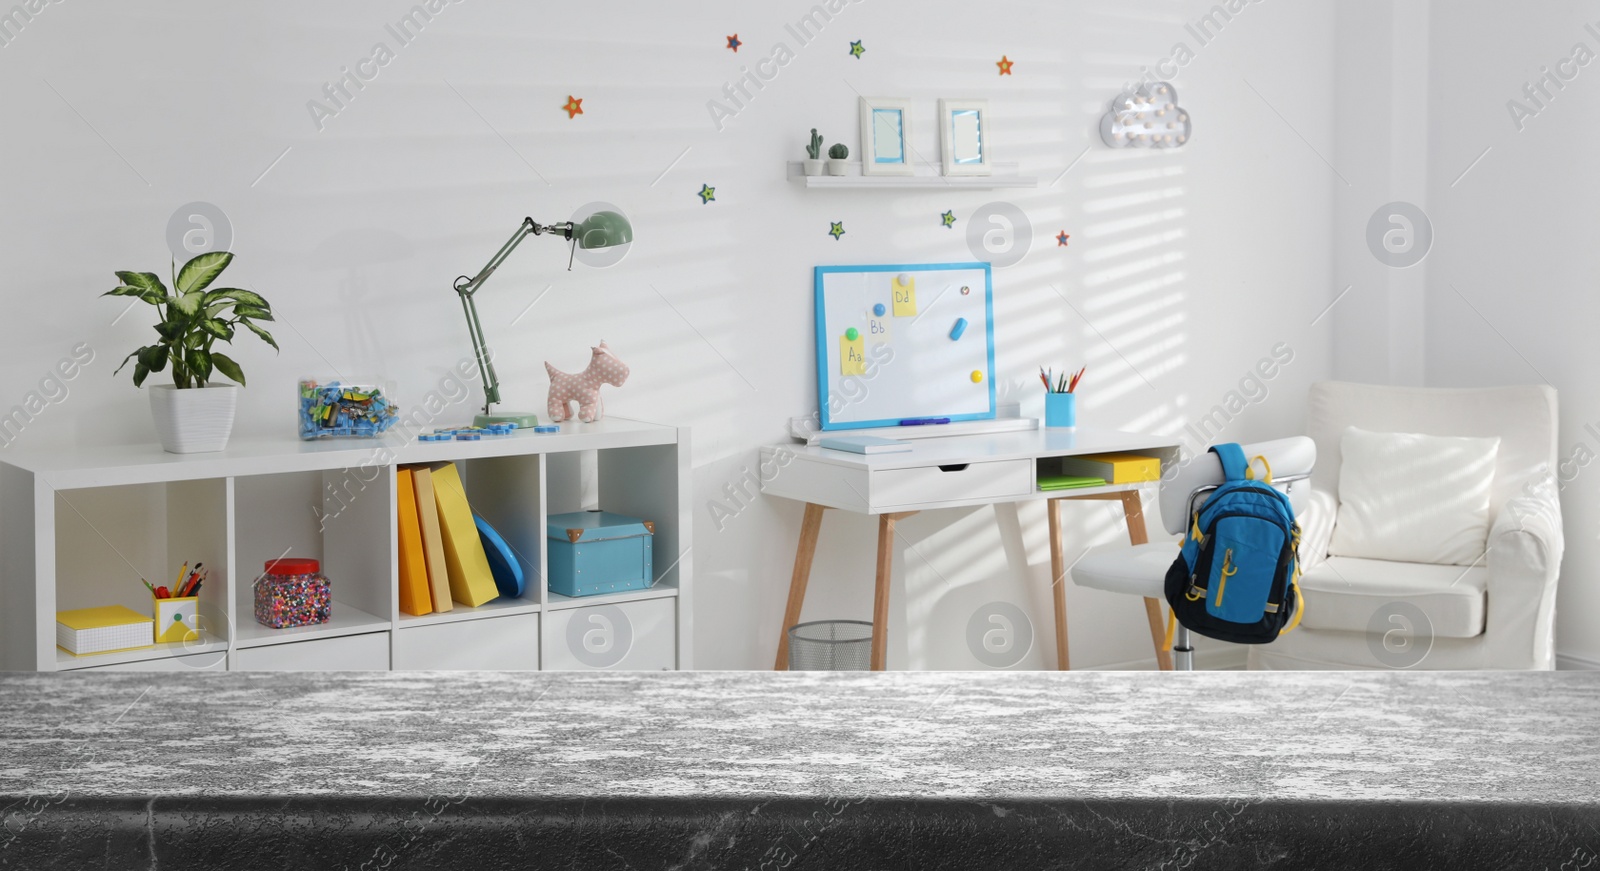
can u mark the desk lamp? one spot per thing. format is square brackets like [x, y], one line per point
[600, 230]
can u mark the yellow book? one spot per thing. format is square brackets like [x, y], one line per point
[103, 630]
[432, 539]
[1114, 468]
[471, 581]
[414, 596]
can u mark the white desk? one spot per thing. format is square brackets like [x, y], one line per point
[953, 472]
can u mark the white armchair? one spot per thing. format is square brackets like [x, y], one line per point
[1497, 613]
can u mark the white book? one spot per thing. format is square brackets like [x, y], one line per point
[864, 444]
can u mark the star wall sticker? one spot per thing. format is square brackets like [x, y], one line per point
[1004, 63]
[734, 43]
[949, 219]
[836, 230]
[574, 107]
[1061, 239]
[708, 194]
[857, 49]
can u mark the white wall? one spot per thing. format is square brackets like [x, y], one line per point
[1184, 267]
[1511, 289]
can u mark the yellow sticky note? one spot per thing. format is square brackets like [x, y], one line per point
[904, 288]
[852, 355]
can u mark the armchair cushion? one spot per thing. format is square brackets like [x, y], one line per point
[1344, 593]
[1414, 497]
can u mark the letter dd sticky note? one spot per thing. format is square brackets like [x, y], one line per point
[904, 288]
[852, 355]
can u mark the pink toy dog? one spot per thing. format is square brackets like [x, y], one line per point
[584, 387]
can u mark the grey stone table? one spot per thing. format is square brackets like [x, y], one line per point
[800, 771]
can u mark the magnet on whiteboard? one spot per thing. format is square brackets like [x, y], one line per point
[959, 328]
[879, 310]
[977, 377]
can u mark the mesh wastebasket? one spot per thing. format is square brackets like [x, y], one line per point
[830, 645]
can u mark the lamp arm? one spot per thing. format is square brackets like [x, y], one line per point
[465, 287]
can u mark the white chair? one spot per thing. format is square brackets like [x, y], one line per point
[1141, 570]
[1498, 612]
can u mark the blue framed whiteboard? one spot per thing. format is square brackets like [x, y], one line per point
[923, 345]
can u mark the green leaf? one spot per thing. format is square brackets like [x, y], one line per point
[197, 274]
[170, 330]
[153, 357]
[227, 367]
[243, 297]
[199, 363]
[125, 361]
[250, 311]
[217, 328]
[143, 281]
[140, 372]
[189, 303]
[265, 336]
[125, 290]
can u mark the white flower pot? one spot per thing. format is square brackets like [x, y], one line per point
[838, 167]
[813, 167]
[195, 420]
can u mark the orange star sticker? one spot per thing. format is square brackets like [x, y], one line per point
[1004, 63]
[574, 107]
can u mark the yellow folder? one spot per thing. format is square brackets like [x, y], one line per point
[414, 596]
[432, 538]
[1114, 468]
[471, 581]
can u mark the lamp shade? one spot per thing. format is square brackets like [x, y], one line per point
[603, 230]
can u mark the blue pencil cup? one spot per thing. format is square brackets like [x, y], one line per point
[1060, 409]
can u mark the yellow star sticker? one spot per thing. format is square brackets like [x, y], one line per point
[1004, 63]
[949, 219]
[836, 230]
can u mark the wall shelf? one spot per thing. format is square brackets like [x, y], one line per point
[926, 178]
[82, 525]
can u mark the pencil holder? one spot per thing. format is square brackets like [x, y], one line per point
[177, 619]
[1060, 409]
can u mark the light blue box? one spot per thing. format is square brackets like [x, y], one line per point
[594, 552]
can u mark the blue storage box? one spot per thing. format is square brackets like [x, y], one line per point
[594, 552]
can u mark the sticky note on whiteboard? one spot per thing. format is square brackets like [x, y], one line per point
[852, 355]
[904, 288]
[878, 330]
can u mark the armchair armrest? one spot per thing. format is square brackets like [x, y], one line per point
[1526, 541]
[1316, 527]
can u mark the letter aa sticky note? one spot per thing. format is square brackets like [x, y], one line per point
[904, 288]
[852, 355]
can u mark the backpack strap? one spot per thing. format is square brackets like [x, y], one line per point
[1234, 464]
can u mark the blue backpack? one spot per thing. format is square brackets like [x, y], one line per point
[1237, 577]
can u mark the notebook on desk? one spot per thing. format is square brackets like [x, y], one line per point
[1069, 482]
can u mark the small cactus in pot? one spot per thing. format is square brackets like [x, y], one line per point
[813, 162]
[838, 159]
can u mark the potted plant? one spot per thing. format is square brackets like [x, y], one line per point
[192, 414]
[813, 163]
[838, 159]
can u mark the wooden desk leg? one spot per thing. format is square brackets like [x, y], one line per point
[880, 597]
[810, 528]
[1058, 581]
[1133, 512]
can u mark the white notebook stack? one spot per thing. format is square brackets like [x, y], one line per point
[102, 630]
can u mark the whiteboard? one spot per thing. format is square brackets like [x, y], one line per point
[903, 363]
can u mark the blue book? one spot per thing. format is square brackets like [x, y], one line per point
[864, 444]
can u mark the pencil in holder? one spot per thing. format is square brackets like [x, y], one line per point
[1060, 409]
[177, 619]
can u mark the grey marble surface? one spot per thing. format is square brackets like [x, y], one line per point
[1462, 738]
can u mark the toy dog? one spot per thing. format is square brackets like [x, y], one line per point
[584, 387]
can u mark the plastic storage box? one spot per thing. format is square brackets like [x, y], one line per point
[594, 552]
[356, 408]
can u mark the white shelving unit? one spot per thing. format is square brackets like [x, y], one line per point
[928, 177]
[80, 527]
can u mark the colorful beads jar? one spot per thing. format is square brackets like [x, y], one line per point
[292, 592]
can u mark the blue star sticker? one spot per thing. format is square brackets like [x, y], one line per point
[857, 49]
[734, 43]
[707, 194]
[949, 219]
[836, 230]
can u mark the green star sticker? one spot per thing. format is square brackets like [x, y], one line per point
[836, 230]
[707, 194]
[857, 49]
[949, 219]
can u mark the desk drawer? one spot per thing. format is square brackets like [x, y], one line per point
[994, 480]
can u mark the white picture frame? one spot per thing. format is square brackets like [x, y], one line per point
[886, 136]
[964, 142]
